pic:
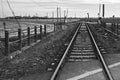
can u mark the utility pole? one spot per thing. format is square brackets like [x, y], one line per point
[103, 15]
[67, 12]
[75, 15]
[53, 16]
[3, 15]
[47, 16]
[64, 15]
[113, 18]
[113, 25]
[4, 24]
[88, 16]
[99, 14]
[60, 13]
[57, 14]
[60, 18]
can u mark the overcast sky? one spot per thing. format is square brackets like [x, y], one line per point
[75, 7]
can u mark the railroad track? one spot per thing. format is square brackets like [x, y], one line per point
[83, 48]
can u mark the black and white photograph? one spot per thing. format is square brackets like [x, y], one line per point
[59, 39]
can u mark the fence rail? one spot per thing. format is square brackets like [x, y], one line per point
[112, 28]
[16, 40]
[32, 35]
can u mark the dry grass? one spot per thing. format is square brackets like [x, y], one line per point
[108, 43]
[37, 58]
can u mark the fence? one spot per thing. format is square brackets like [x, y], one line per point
[24, 38]
[113, 27]
[16, 40]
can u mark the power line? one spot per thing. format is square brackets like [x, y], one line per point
[14, 16]
[2, 7]
[103, 11]
[36, 3]
[13, 13]
[99, 10]
[4, 25]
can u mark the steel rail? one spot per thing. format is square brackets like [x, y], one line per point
[105, 67]
[63, 57]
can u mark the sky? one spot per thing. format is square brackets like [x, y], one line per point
[78, 8]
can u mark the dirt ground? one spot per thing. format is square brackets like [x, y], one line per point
[36, 58]
[107, 41]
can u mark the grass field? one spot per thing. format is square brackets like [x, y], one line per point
[42, 54]
[12, 25]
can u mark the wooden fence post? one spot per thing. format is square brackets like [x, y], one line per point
[40, 31]
[60, 25]
[112, 27]
[117, 27]
[7, 50]
[54, 27]
[35, 35]
[19, 37]
[45, 29]
[28, 33]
